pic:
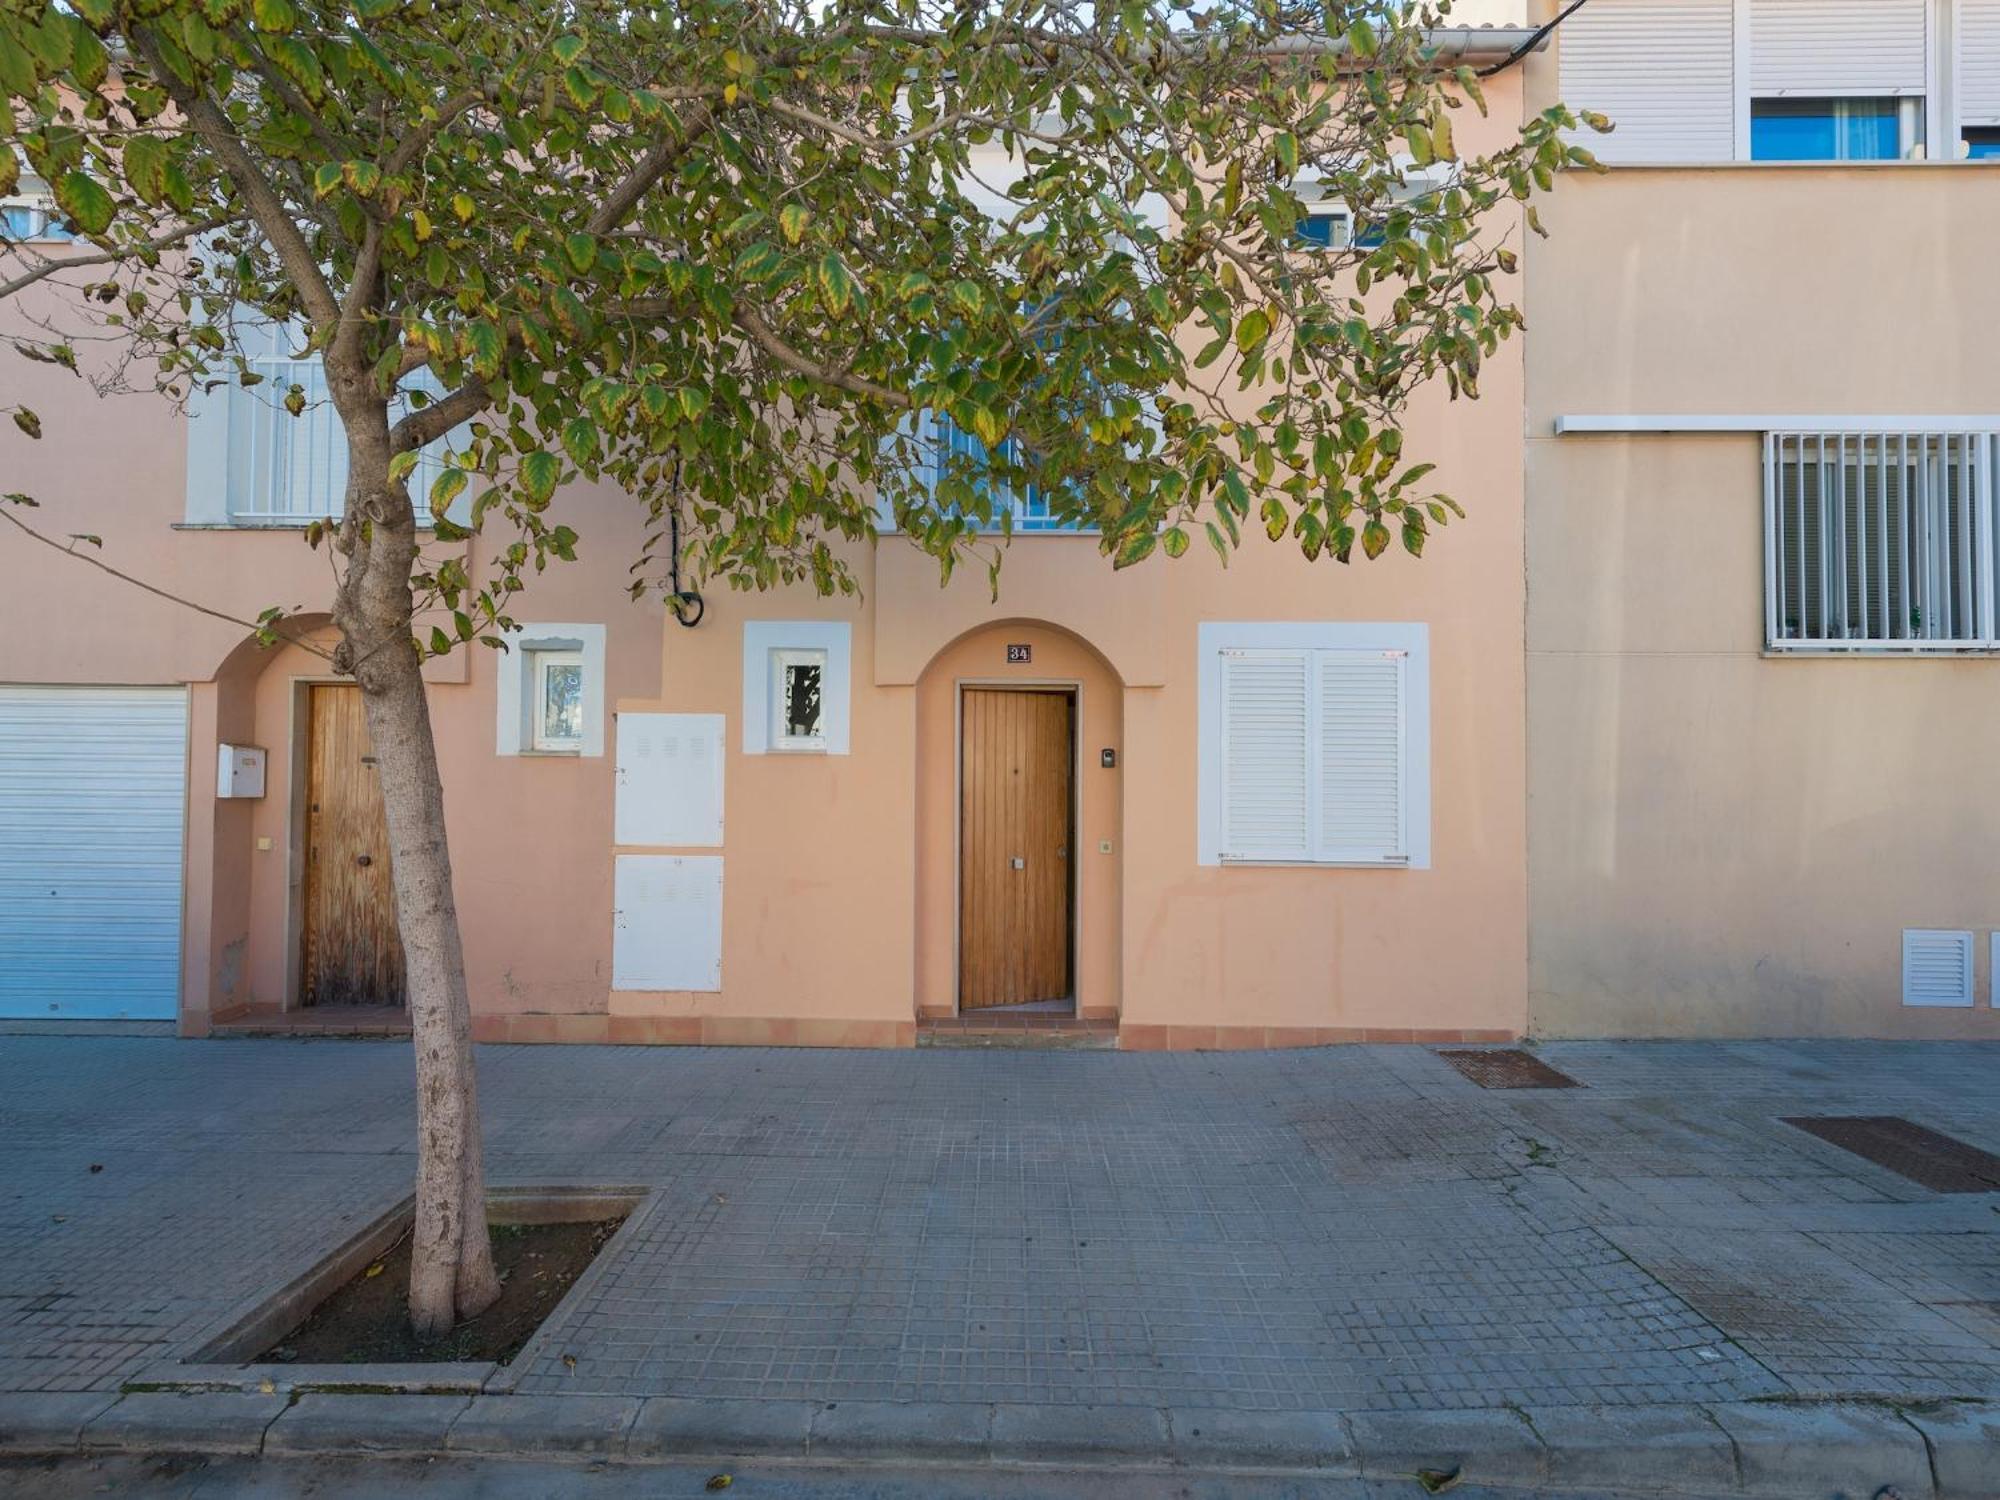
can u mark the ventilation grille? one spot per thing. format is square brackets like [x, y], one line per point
[1937, 967]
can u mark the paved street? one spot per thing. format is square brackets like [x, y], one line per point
[1354, 1229]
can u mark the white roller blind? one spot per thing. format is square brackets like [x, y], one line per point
[1361, 755]
[1265, 742]
[1663, 70]
[1827, 47]
[1979, 62]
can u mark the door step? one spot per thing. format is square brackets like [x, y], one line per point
[1017, 1030]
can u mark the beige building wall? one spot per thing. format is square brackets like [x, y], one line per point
[1723, 842]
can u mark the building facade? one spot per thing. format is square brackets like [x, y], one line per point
[1762, 401]
[1676, 734]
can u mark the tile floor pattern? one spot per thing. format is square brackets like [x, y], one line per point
[1337, 1228]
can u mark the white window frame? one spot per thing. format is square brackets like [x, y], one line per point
[517, 728]
[765, 644]
[783, 659]
[541, 663]
[1974, 453]
[1411, 639]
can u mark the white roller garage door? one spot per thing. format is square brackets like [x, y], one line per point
[93, 795]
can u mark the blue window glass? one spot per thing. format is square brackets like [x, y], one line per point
[1982, 143]
[1321, 231]
[1825, 130]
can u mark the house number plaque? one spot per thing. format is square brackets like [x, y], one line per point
[1019, 653]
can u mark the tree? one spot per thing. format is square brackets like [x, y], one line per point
[735, 257]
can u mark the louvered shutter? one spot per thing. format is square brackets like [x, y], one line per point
[1979, 62]
[1361, 756]
[1829, 47]
[1663, 70]
[1265, 748]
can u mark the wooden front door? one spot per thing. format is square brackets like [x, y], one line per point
[352, 955]
[1015, 846]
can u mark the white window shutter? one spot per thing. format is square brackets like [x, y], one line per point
[1265, 729]
[1818, 48]
[669, 780]
[666, 925]
[1937, 967]
[1663, 70]
[1361, 792]
[1978, 62]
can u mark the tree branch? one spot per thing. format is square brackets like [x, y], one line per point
[649, 169]
[266, 207]
[768, 340]
[158, 592]
[435, 420]
[107, 257]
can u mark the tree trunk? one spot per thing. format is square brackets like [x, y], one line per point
[451, 1257]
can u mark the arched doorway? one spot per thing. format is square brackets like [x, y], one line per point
[1019, 821]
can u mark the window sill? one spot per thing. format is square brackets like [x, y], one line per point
[276, 525]
[542, 754]
[1873, 652]
[1921, 165]
[1399, 862]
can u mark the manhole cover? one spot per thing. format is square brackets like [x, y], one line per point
[1507, 1068]
[1927, 1158]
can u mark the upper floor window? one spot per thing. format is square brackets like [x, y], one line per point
[252, 463]
[1884, 129]
[1982, 142]
[1880, 541]
[1782, 80]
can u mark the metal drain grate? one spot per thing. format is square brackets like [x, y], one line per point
[1507, 1068]
[1927, 1158]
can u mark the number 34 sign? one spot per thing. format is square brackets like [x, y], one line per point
[1019, 653]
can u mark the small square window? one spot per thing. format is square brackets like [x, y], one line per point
[798, 706]
[557, 680]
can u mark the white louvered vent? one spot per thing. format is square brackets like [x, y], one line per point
[1663, 70]
[1361, 755]
[1830, 47]
[1937, 967]
[1979, 62]
[1264, 770]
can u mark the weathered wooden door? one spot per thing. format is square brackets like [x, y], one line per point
[1015, 847]
[352, 955]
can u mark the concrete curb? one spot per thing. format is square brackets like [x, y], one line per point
[1937, 1450]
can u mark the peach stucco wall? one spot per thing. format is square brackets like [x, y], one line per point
[838, 890]
[1721, 842]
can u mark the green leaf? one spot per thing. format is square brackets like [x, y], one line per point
[84, 199]
[446, 488]
[1286, 147]
[1441, 142]
[27, 421]
[792, 221]
[17, 68]
[579, 437]
[836, 286]
[145, 165]
[401, 464]
[694, 401]
[568, 48]
[1253, 328]
[276, 16]
[1374, 538]
[539, 473]
[582, 252]
[1136, 548]
[1174, 540]
[10, 172]
[486, 347]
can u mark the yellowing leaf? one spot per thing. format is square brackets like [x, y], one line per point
[373, 1271]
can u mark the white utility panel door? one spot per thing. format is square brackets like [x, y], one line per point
[666, 929]
[669, 780]
[93, 802]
